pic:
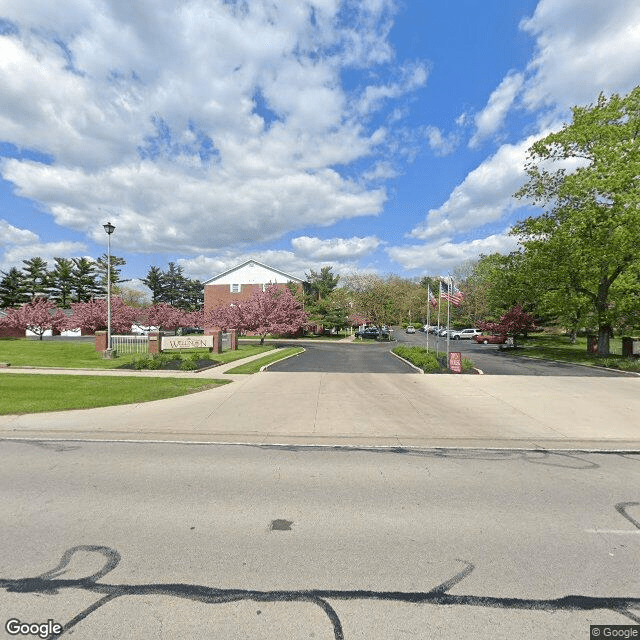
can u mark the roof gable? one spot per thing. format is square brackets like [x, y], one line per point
[252, 272]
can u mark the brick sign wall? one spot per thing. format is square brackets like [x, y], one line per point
[186, 342]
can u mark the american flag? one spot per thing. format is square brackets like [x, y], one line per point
[433, 301]
[451, 293]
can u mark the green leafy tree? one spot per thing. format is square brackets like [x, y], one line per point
[13, 291]
[593, 213]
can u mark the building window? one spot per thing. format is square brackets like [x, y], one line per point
[235, 288]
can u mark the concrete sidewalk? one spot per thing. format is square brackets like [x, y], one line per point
[371, 410]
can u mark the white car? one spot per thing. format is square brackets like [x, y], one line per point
[464, 334]
[411, 329]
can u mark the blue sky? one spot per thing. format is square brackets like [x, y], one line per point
[375, 136]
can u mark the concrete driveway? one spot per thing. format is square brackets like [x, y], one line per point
[370, 409]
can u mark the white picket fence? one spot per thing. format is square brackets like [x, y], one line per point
[130, 344]
[140, 344]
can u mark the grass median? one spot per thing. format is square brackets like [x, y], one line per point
[429, 361]
[35, 393]
[255, 365]
[560, 348]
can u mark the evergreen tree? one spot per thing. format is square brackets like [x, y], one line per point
[321, 284]
[62, 281]
[13, 291]
[36, 277]
[85, 280]
[173, 286]
[116, 262]
[155, 282]
[194, 295]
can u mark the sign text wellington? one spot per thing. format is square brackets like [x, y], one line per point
[186, 342]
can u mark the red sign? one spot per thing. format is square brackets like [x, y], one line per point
[455, 362]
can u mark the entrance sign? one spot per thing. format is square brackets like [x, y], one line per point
[455, 361]
[186, 342]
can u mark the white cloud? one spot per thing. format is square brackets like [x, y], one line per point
[440, 144]
[198, 125]
[491, 118]
[335, 248]
[583, 47]
[10, 235]
[413, 76]
[484, 196]
[18, 244]
[442, 257]
[204, 267]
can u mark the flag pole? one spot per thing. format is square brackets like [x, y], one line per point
[428, 313]
[449, 317]
[439, 299]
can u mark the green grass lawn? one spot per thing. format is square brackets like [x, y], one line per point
[82, 355]
[34, 393]
[255, 365]
[549, 347]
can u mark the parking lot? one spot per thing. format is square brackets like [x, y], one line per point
[492, 360]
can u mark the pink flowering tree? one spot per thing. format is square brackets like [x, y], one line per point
[272, 311]
[193, 319]
[515, 322]
[357, 320]
[37, 316]
[92, 316]
[164, 316]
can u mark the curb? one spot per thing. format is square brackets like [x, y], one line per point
[579, 364]
[339, 447]
[413, 366]
[293, 355]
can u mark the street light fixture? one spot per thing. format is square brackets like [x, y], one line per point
[109, 228]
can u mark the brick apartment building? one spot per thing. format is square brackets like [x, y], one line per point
[240, 282]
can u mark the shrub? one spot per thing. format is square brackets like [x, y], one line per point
[190, 362]
[155, 361]
[428, 361]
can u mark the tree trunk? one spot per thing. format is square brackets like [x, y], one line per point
[604, 324]
[604, 334]
[262, 338]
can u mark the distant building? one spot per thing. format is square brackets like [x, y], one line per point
[240, 283]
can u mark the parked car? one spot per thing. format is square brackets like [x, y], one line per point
[411, 329]
[490, 339]
[369, 332]
[185, 331]
[464, 334]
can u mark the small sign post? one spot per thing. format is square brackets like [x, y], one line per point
[455, 361]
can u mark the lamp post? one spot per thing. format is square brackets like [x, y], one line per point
[109, 228]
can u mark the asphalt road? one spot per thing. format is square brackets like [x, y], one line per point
[491, 360]
[365, 357]
[121, 541]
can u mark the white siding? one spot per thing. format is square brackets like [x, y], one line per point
[251, 274]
